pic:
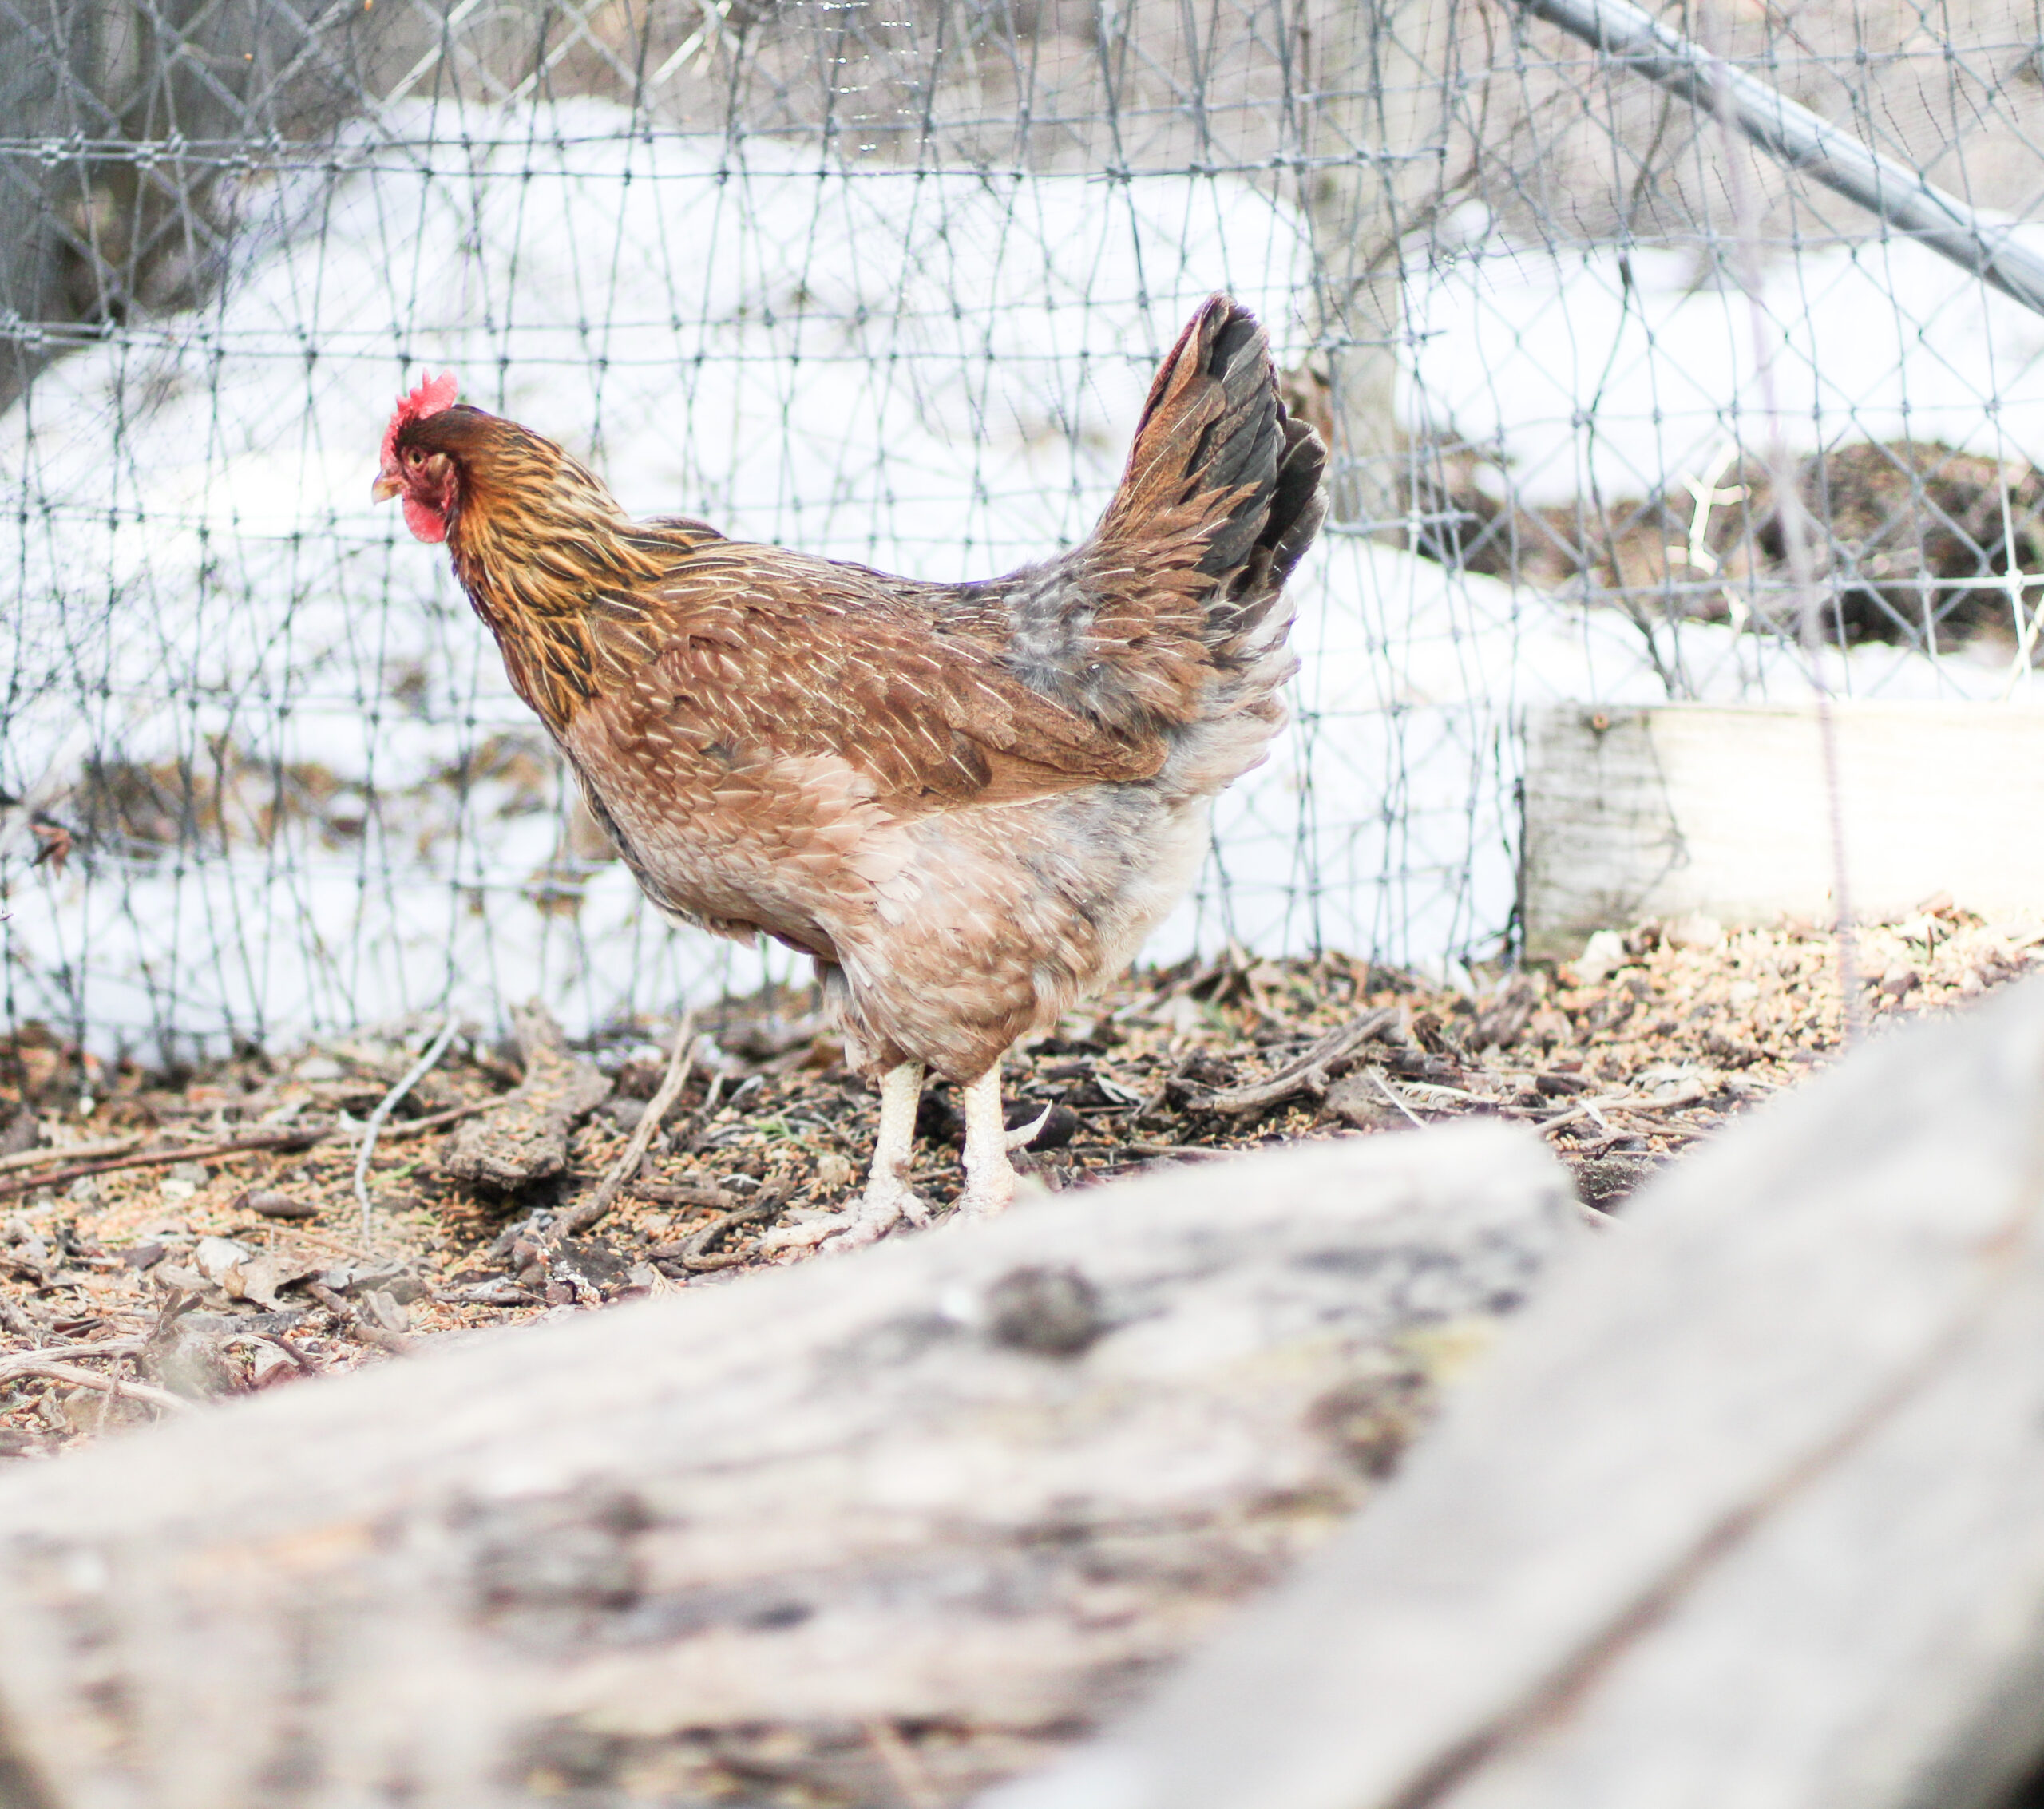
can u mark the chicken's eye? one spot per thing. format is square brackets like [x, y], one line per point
[414, 455]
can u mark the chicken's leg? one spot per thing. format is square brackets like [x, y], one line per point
[989, 1175]
[888, 1198]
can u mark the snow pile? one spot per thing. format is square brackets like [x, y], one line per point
[1601, 375]
[931, 372]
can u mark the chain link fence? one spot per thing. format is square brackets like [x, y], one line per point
[885, 279]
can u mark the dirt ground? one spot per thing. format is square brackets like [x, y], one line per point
[129, 1291]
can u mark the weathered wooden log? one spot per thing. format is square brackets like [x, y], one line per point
[523, 1137]
[1726, 809]
[1749, 1509]
[894, 1523]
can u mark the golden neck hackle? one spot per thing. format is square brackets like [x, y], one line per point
[548, 560]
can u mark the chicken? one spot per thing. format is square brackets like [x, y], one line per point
[970, 802]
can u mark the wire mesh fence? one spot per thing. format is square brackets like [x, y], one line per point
[885, 279]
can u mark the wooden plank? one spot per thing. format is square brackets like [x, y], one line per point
[1722, 810]
[1747, 1511]
[980, 1482]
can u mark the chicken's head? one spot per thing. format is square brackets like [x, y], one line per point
[425, 478]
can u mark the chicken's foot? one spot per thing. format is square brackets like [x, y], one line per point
[888, 1199]
[989, 1175]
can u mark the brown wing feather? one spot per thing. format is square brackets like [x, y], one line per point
[745, 650]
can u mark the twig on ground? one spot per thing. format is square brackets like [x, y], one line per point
[357, 1325]
[693, 1254]
[413, 1075]
[282, 1140]
[1306, 1074]
[306, 1365]
[1575, 1114]
[162, 1158]
[581, 1217]
[23, 1362]
[1443, 1098]
[76, 1153]
[1384, 1086]
[298, 1232]
[689, 1193]
[35, 1363]
[435, 1121]
[1681, 1102]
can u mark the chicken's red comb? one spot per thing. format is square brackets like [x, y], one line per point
[430, 398]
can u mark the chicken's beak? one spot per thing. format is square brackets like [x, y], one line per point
[387, 484]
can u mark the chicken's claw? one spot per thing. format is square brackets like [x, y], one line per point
[888, 1200]
[885, 1204]
[1018, 1138]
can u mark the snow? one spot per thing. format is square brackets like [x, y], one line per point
[934, 373]
[1881, 341]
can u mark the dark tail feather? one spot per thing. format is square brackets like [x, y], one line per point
[1217, 456]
